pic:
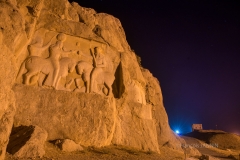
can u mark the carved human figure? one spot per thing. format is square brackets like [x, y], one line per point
[56, 52]
[99, 64]
[37, 48]
[106, 78]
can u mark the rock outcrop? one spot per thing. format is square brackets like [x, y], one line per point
[70, 71]
[11, 28]
[226, 141]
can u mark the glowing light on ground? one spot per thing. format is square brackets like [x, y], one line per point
[177, 131]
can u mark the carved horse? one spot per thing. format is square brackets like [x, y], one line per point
[35, 65]
[84, 68]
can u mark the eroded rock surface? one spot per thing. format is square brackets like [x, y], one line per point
[11, 27]
[88, 119]
[165, 135]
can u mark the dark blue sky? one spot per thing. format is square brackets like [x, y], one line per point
[193, 48]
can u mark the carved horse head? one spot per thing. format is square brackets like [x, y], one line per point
[83, 67]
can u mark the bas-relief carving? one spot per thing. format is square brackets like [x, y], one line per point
[98, 75]
[36, 48]
[57, 67]
[94, 76]
[56, 52]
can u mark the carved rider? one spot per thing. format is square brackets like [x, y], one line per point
[99, 64]
[37, 48]
[56, 52]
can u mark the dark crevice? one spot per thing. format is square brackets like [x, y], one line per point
[19, 137]
[97, 30]
[118, 86]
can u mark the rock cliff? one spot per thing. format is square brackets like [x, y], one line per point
[70, 71]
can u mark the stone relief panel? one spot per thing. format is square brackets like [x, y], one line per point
[63, 62]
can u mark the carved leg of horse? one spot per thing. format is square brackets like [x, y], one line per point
[87, 87]
[68, 84]
[77, 82]
[40, 79]
[57, 83]
[27, 77]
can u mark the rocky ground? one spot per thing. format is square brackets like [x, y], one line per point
[224, 140]
[106, 153]
[217, 144]
[212, 150]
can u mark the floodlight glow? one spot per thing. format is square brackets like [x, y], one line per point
[177, 131]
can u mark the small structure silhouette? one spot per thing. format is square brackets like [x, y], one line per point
[197, 127]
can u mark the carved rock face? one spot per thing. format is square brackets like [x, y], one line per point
[48, 52]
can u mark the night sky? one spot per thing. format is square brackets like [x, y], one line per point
[193, 48]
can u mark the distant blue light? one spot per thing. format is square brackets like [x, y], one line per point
[177, 131]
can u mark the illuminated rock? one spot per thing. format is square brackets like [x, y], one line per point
[74, 75]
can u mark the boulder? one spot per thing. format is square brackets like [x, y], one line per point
[68, 145]
[6, 122]
[27, 142]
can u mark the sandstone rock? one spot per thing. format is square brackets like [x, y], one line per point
[11, 27]
[225, 141]
[154, 97]
[68, 145]
[107, 25]
[27, 142]
[135, 128]
[86, 15]
[11, 24]
[6, 122]
[193, 152]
